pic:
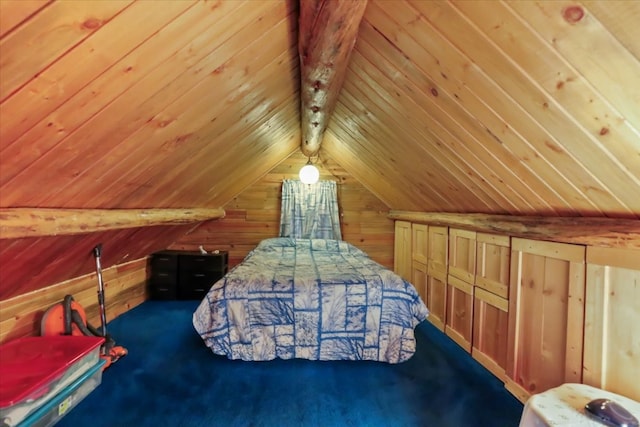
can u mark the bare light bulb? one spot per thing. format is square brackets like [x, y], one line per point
[309, 174]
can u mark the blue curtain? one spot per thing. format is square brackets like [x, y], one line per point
[310, 211]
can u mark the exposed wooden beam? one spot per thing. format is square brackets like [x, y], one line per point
[327, 32]
[605, 232]
[27, 222]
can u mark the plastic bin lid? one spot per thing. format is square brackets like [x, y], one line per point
[28, 364]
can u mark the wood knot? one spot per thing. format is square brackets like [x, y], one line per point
[434, 91]
[92, 24]
[573, 14]
[604, 131]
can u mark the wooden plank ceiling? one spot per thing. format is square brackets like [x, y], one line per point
[515, 107]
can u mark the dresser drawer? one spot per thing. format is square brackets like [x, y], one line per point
[162, 261]
[209, 262]
[195, 285]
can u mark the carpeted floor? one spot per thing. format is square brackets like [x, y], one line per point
[169, 378]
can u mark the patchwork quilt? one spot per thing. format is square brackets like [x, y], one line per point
[313, 299]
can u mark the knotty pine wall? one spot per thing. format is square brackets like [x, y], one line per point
[124, 288]
[254, 214]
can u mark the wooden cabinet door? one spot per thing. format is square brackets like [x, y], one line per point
[459, 320]
[438, 246]
[419, 280]
[437, 297]
[490, 328]
[493, 263]
[462, 254]
[419, 242]
[438, 249]
[402, 250]
[546, 316]
[612, 319]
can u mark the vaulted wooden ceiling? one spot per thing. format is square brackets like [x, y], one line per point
[516, 107]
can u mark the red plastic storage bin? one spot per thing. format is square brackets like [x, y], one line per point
[34, 369]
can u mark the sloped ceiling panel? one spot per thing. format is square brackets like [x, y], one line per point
[505, 107]
[137, 104]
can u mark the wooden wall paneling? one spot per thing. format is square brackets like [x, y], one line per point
[620, 18]
[573, 181]
[493, 263]
[201, 126]
[428, 45]
[490, 331]
[613, 103]
[373, 90]
[382, 185]
[254, 214]
[124, 91]
[14, 12]
[402, 264]
[370, 127]
[394, 111]
[612, 306]
[53, 31]
[459, 317]
[541, 107]
[440, 113]
[546, 306]
[437, 275]
[125, 288]
[76, 69]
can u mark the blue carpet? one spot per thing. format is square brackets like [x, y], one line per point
[169, 378]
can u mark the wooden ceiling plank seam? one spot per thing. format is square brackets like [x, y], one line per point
[260, 157]
[118, 163]
[556, 120]
[437, 177]
[387, 157]
[520, 166]
[168, 168]
[117, 87]
[192, 173]
[407, 171]
[620, 17]
[327, 33]
[443, 139]
[587, 103]
[577, 44]
[74, 71]
[367, 174]
[449, 76]
[555, 128]
[192, 23]
[15, 13]
[63, 25]
[496, 124]
[525, 175]
[440, 121]
[446, 167]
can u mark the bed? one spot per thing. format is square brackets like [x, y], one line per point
[313, 299]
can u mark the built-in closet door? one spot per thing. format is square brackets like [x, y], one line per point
[546, 316]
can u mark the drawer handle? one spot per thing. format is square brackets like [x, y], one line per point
[199, 275]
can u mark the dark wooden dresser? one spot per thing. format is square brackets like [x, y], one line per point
[183, 274]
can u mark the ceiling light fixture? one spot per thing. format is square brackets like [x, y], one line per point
[309, 174]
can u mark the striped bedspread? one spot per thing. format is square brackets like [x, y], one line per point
[312, 299]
